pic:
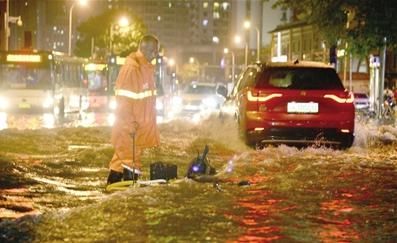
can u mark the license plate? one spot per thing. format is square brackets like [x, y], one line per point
[24, 105]
[299, 107]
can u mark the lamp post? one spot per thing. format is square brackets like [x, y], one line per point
[83, 3]
[226, 51]
[174, 82]
[247, 25]
[237, 40]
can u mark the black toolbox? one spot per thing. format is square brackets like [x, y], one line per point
[161, 170]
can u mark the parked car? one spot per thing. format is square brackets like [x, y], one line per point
[200, 97]
[361, 101]
[298, 103]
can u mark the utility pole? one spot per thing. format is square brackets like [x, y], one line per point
[6, 27]
[382, 78]
[7, 20]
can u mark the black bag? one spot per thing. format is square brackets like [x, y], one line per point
[161, 170]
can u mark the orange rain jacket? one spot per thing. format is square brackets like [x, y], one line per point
[136, 104]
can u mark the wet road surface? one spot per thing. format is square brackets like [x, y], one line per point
[52, 190]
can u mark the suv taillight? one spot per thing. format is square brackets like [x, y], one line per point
[348, 98]
[262, 98]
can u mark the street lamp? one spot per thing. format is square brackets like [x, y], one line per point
[226, 51]
[82, 3]
[123, 22]
[237, 40]
[247, 25]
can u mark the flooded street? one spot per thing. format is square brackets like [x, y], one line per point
[52, 189]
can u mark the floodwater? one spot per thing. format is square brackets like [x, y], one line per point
[280, 194]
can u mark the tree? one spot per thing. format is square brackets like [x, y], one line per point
[97, 28]
[362, 23]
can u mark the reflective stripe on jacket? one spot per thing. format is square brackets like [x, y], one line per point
[135, 96]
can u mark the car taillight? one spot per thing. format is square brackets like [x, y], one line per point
[252, 97]
[348, 99]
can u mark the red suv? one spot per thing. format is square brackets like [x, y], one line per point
[298, 103]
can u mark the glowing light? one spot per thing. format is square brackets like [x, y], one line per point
[112, 105]
[195, 168]
[111, 119]
[48, 120]
[251, 97]
[247, 24]
[159, 105]
[48, 102]
[3, 120]
[123, 21]
[281, 58]
[120, 60]
[23, 58]
[350, 99]
[237, 39]
[95, 67]
[3, 103]
[171, 62]
[209, 102]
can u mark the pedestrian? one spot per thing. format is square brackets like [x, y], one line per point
[135, 92]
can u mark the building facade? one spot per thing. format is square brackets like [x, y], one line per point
[300, 41]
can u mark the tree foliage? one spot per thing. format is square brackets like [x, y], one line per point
[98, 28]
[370, 22]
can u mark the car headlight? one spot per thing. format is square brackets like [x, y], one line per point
[112, 105]
[48, 102]
[3, 103]
[176, 101]
[111, 119]
[159, 105]
[210, 102]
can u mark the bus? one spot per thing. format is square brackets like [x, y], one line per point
[42, 82]
[99, 89]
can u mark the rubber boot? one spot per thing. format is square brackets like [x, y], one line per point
[114, 177]
[129, 175]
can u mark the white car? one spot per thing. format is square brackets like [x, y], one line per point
[361, 101]
[200, 97]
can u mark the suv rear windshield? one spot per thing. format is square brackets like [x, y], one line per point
[308, 78]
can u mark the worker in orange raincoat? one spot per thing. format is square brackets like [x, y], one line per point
[135, 113]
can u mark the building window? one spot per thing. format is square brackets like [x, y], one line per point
[205, 4]
[225, 5]
[205, 22]
[216, 15]
[216, 5]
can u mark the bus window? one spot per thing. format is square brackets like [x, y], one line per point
[22, 77]
[97, 78]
